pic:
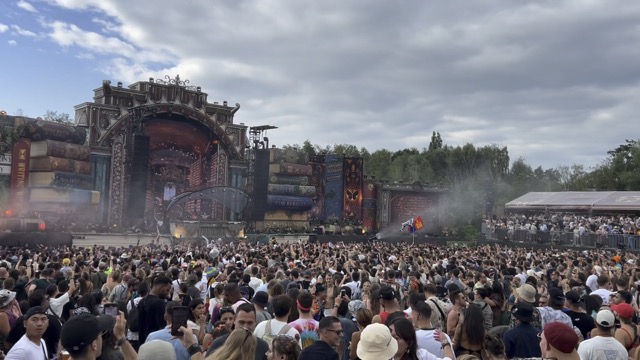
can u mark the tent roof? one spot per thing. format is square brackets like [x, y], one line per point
[578, 200]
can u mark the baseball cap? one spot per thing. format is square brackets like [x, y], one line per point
[80, 331]
[575, 298]
[33, 311]
[623, 309]
[387, 293]
[557, 296]
[561, 336]
[605, 318]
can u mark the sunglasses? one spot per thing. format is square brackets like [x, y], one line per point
[339, 332]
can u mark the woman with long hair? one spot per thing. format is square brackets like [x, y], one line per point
[374, 300]
[240, 345]
[403, 331]
[470, 332]
[497, 296]
[284, 347]
[197, 319]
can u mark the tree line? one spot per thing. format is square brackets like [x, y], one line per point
[480, 179]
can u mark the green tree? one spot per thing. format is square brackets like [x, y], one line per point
[436, 141]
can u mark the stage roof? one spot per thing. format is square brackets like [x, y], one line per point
[578, 200]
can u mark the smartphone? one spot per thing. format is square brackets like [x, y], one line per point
[342, 293]
[179, 316]
[111, 310]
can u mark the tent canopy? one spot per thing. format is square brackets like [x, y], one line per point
[578, 200]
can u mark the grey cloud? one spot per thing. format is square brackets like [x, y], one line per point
[554, 81]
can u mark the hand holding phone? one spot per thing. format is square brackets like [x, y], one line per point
[179, 316]
[111, 310]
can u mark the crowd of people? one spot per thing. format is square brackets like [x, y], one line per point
[619, 230]
[302, 301]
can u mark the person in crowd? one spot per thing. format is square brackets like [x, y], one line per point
[493, 348]
[364, 318]
[602, 344]
[403, 332]
[245, 319]
[603, 289]
[261, 301]
[521, 341]
[459, 303]
[9, 312]
[31, 345]
[376, 343]
[151, 309]
[284, 347]
[438, 307]
[240, 345]
[51, 334]
[575, 309]
[132, 314]
[480, 299]
[165, 333]
[389, 302]
[470, 331]
[269, 329]
[627, 332]
[527, 293]
[330, 338]
[306, 325]
[426, 332]
[197, 320]
[232, 296]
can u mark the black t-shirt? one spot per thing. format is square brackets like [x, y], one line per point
[582, 321]
[150, 316]
[51, 336]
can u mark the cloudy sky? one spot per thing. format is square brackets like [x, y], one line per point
[557, 82]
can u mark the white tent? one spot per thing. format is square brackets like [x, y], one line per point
[578, 200]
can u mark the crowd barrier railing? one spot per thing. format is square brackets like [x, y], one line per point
[621, 241]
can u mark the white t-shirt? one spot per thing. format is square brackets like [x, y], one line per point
[57, 304]
[426, 341]
[592, 282]
[276, 326]
[604, 294]
[601, 347]
[25, 349]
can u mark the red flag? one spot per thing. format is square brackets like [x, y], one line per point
[417, 223]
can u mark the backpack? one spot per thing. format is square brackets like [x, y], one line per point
[268, 336]
[132, 317]
[443, 317]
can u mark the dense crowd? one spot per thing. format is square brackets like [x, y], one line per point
[306, 301]
[567, 222]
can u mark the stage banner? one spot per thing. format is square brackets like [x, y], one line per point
[333, 188]
[291, 203]
[290, 169]
[297, 190]
[317, 181]
[288, 179]
[20, 175]
[369, 205]
[353, 179]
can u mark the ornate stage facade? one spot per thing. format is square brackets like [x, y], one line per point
[156, 139]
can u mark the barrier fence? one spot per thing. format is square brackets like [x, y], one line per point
[621, 241]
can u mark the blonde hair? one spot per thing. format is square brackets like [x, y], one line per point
[240, 345]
